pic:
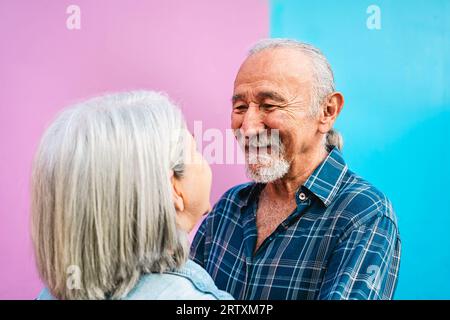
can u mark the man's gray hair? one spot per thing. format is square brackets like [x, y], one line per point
[323, 77]
[102, 196]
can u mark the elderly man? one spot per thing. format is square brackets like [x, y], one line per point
[307, 227]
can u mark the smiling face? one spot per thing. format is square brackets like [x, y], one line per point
[273, 90]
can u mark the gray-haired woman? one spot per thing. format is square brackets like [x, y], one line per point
[117, 184]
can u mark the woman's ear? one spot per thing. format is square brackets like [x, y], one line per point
[177, 194]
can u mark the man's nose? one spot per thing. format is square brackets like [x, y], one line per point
[253, 122]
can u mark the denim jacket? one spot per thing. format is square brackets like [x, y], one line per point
[191, 282]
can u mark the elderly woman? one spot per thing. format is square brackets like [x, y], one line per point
[117, 185]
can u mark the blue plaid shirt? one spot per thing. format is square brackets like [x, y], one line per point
[341, 242]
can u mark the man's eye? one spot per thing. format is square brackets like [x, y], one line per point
[241, 107]
[268, 106]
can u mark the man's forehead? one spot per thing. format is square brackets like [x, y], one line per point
[264, 85]
[275, 62]
[259, 93]
[278, 67]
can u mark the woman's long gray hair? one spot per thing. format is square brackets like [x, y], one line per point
[102, 208]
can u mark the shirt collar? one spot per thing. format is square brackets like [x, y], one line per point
[326, 179]
[324, 182]
[249, 192]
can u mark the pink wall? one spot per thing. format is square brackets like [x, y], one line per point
[190, 49]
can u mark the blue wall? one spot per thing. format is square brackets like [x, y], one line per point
[396, 119]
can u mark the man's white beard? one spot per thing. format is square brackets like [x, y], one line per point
[263, 167]
[268, 172]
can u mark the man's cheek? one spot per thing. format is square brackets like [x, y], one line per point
[275, 120]
[236, 121]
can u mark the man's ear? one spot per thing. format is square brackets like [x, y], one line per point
[177, 194]
[330, 110]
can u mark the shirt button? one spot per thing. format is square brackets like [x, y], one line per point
[302, 196]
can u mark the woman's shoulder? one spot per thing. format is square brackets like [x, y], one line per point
[45, 295]
[165, 286]
[191, 282]
[201, 280]
[156, 287]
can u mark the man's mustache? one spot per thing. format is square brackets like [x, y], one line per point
[260, 140]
